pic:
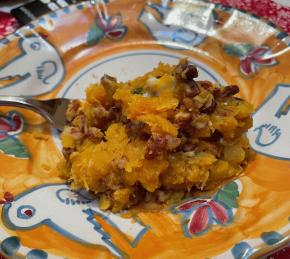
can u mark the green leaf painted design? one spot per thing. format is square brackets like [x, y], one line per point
[95, 34]
[239, 50]
[229, 195]
[12, 146]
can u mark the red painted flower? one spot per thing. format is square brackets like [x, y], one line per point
[259, 56]
[201, 213]
[10, 125]
[112, 26]
[106, 26]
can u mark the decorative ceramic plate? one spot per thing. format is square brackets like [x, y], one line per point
[62, 53]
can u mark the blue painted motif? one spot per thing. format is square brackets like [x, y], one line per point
[270, 133]
[36, 254]
[272, 130]
[53, 15]
[10, 245]
[98, 228]
[80, 6]
[64, 203]
[284, 108]
[30, 26]
[79, 199]
[46, 74]
[17, 34]
[41, 21]
[171, 36]
[281, 35]
[66, 10]
[46, 70]
[271, 238]
[4, 41]
[24, 208]
[242, 250]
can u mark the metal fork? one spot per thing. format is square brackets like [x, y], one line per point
[52, 110]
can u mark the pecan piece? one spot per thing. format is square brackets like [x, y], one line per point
[108, 83]
[101, 116]
[191, 89]
[95, 134]
[191, 72]
[229, 90]
[156, 146]
[184, 71]
[136, 129]
[205, 84]
[72, 110]
[188, 147]
[209, 109]
[76, 133]
[172, 142]
[182, 119]
[215, 136]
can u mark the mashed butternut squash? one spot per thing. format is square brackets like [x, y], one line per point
[160, 134]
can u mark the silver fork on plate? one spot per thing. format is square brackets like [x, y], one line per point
[52, 110]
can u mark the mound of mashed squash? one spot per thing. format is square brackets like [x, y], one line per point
[159, 136]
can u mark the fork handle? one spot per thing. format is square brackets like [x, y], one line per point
[21, 102]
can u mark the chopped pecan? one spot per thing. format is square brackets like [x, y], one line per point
[216, 92]
[205, 84]
[100, 112]
[156, 146]
[106, 79]
[172, 142]
[76, 133]
[83, 123]
[136, 129]
[215, 136]
[209, 109]
[182, 119]
[191, 72]
[229, 90]
[188, 147]
[213, 149]
[100, 116]
[188, 103]
[178, 70]
[72, 110]
[115, 113]
[184, 71]
[108, 83]
[119, 163]
[138, 194]
[95, 134]
[191, 89]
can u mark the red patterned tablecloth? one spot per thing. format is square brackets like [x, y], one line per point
[277, 11]
[7, 24]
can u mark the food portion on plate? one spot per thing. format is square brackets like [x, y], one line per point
[158, 137]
